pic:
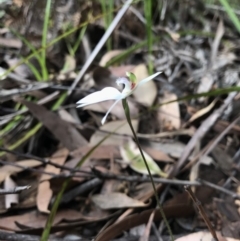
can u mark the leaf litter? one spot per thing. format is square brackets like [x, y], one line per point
[43, 135]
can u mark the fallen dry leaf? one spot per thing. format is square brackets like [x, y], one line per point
[145, 236]
[175, 150]
[202, 112]
[44, 193]
[158, 155]
[132, 156]
[120, 71]
[204, 236]
[116, 200]
[35, 219]
[169, 114]
[66, 133]
[109, 55]
[66, 116]
[109, 127]
[9, 170]
[102, 152]
[104, 78]
[144, 94]
[205, 85]
[174, 208]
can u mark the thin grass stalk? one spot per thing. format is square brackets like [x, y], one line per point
[44, 39]
[231, 14]
[148, 16]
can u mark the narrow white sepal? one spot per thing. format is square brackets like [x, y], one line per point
[108, 93]
[109, 110]
[148, 79]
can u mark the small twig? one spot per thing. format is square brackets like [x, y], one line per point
[8, 94]
[53, 175]
[42, 160]
[202, 212]
[79, 190]
[14, 190]
[108, 175]
[221, 189]
[221, 136]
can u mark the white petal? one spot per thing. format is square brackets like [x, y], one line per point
[111, 107]
[148, 78]
[108, 93]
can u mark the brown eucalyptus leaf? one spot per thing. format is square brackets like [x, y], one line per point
[65, 132]
[116, 200]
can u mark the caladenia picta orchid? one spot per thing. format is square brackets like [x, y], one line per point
[111, 93]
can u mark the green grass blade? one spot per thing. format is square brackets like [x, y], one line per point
[37, 127]
[231, 14]
[107, 9]
[34, 71]
[11, 125]
[29, 45]
[79, 39]
[123, 55]
[44, 39]
[59, 102]
[62, 36]
[148, 16]
[28, 135]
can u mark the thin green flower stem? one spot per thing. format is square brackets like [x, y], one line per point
[127, 113]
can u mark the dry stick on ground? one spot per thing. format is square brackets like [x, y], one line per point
[221, 189]
[80, 189]
[212, 144]
[200, 133]
[42, 160]
[202, 212]
[9, 94]
[104, 175]
[221, 135]
[6, 163]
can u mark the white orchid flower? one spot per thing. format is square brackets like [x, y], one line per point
[111, 93]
